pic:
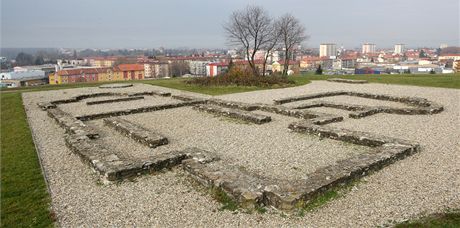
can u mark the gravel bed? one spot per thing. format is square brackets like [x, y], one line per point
[269, 150]
[421, 184]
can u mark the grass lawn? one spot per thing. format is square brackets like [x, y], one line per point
[445, 220]
[428, 80]
[219, 90]
[24, 199]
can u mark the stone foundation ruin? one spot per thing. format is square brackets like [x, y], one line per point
[249, 189]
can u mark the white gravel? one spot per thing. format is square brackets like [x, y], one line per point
[421, 184]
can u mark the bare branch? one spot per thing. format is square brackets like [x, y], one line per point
[251, 30]
[292, 33]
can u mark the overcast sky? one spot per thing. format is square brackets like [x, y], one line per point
[198, 23]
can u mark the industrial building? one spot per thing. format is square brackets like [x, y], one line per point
[23, 78]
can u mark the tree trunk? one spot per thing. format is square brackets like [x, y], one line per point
[286, 62]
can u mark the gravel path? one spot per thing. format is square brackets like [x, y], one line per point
[425, 183]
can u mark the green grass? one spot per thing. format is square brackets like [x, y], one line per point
[218, 90]
[319, 201]
[427, 80]
[24, 198]
[325, 197]
[227, 202]
[173, 83]
[446, 220]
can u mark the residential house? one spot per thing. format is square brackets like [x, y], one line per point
[130, 71]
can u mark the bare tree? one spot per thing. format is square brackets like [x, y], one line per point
[292, 33]
[250, 29]
[272, 42]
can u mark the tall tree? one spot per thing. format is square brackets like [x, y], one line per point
[250, 29]
[39, 60]
[422, 54]
[292, 33]
[23, 59]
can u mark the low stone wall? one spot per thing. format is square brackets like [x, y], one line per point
[136, 110]
[355, 137]
[111, 167]
[115, 85]
[309, 96]
[136, 132]
[360, 111]
[243, 187]
[235, 113]
[114, 100]
[351, 81]
[421, 106]
[251, 190]
[415, 101]
[46, 105]
[188, 98]
[82, 97]
[151, 93]
[103, 94]
[233, 104]
[71, 124]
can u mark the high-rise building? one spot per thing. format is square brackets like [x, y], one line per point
[368, 48]
[399, 48]
[327, 50]
[443, 46]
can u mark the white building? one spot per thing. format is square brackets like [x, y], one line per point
[443, 46]
[399, 49]
[327, 50]
[22, 78]
[368, 48]
[156, 70]
[198, 67]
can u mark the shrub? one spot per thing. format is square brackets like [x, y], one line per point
[240, 77]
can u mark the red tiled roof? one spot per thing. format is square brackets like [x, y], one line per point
[130, 67]
[245, 62]
[218, 64]
[290, 62]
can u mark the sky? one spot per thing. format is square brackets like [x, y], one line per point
[198, 23]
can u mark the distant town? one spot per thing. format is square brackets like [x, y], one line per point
[33, 67]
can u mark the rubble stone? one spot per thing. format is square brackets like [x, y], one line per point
[136, 132]
[342, 80]
[235, 113]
